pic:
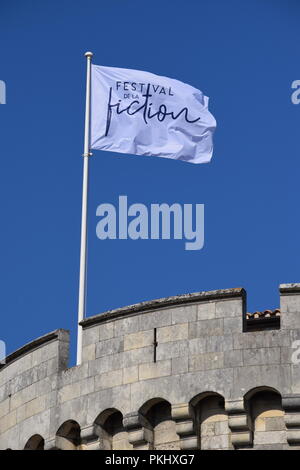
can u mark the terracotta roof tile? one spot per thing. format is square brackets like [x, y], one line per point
[264, 314]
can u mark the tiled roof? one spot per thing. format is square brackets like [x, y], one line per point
[265, 314]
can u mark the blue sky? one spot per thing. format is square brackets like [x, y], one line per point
[244, 56]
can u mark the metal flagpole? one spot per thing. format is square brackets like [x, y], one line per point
[83, 244]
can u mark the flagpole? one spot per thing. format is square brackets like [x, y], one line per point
[83, 244]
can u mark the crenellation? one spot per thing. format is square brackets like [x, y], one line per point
[176, 373]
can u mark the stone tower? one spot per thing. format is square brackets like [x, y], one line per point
[187, 372]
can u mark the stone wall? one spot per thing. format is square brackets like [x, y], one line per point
[176, 373]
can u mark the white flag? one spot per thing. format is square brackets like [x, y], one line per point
[141, 113]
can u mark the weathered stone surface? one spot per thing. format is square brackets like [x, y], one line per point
[206, 361]
[153, 370]
[130, 374]
[261, 356]
[173, 333]
[109, 379]
[156, 319]
[213, 327]
[109, 346]
[201, 351]
[206, 311]
[138, 340]
[172, 349]
[184, 314]
[89, 353]
[180, 365]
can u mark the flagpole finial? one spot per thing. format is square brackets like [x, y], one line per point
[88, 54]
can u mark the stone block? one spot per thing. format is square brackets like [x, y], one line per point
[229, 308]
[35, 406]
[87, 386]
[233, 325]
[219, 343]
[69, 392]
[180, 365]
[261, 339]
[137, 356]
[74, 374]
[109, 346]
[233, 358]
[105, 364]
[172, 349]
[47, 385]
[52, 366]
[248, 377]
[109, 379]
[130, 374]
[206, 311]
[275, 423]
[106, 330]
[172, 333]
[290, 320]
[290, 303]
[8, 421]
[138, 340]
[150, 320]
[90, 335]
[23, 396]
[128, 325]
[154, 369]
[215, 442]
[197, 345]
[270, 437]
[206, 361]
[184, 314]
[89, 353]
[261, 356]
[295, 378]
[206, 328]
[4, 408]
[21, 413]
[221, 427]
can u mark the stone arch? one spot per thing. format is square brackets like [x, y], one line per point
[68, 436]
[36, 442]
[156, 415]
[108, 426]
[266, 416]
[210, 421]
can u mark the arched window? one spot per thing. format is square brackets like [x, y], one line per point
[211, 421]
[68, 436]
[267, 417]
[109, 427]
[36, 442]
[158, 419]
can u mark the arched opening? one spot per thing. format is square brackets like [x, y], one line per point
[211, 421]
[68, 436]
[266, 417]
[158, 419]
[112, 434]
[36, 442]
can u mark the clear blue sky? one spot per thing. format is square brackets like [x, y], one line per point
[244, 55]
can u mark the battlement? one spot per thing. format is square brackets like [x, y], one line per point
[184, 372]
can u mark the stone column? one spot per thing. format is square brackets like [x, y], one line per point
[50, 444]
[184, 426]
[291, 406]
[239, 423]
[89, 439]
[139, 433]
